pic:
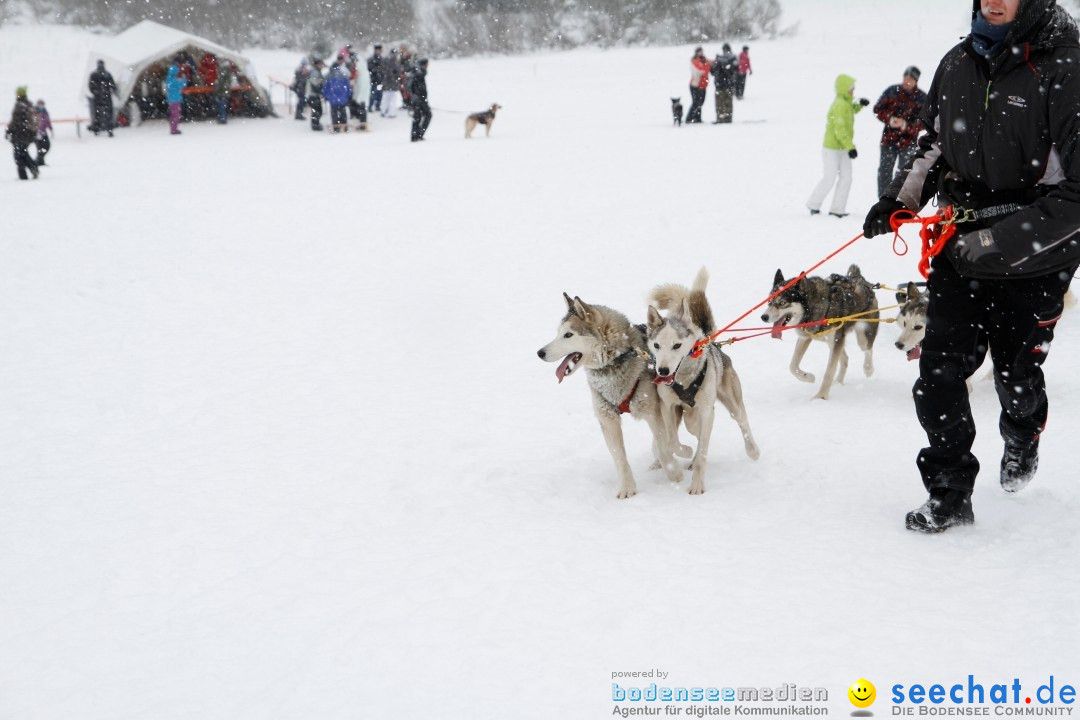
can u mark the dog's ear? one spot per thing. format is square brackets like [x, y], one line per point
[684, 310]
[569, 303]
[778, 280]
[913, 290]
[654, 319]
[582, 310]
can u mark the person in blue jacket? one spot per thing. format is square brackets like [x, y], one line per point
[174, 93]
[338, 92]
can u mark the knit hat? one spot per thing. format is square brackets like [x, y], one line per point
[21, 91]
[912, 72]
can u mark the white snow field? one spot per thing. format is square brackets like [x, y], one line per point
[275, 442]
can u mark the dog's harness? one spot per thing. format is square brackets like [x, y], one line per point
[624, 406]
[686, 394]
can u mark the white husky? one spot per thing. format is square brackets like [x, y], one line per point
[689, 387]
[612, 351]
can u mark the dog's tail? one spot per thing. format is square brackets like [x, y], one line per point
[672, 295]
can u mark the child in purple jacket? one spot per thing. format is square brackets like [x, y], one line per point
[44, 129]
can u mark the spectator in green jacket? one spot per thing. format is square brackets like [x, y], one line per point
[839, 149]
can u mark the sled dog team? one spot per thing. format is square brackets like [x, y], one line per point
[650, 372]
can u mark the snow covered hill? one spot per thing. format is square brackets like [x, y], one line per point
[274, 441]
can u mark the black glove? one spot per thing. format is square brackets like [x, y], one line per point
[877, 220]
[853, 153]
[974, 246]
[864, 102]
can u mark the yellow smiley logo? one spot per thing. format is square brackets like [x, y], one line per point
[862, 693]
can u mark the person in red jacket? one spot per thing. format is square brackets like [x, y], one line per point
[699, 83]
[208, 69]
[744, 70]
[899, 107]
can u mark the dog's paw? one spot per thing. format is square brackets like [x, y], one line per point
[655, 465]
[805, 376]
[697, 488]
[674, 473]
[752, 450]
[821, 396]
[868, 369]
[627, 492]
[684, 451]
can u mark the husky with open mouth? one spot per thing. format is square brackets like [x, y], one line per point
[814, 299]
[689, 387]
[911, 320]
[612, 351]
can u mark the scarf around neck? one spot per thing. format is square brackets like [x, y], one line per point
[988, 40]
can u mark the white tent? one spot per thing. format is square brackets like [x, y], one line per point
[136, 57]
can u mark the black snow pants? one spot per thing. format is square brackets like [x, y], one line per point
[1012, 318]
[339, 117]
[315, 103]
[23, 161]
[102, 120]
[697, 100]
[43, 146]
[421, 118]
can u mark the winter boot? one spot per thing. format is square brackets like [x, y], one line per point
[944, 509]
[1018, 466]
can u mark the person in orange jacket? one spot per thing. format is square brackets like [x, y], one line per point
[699, 83]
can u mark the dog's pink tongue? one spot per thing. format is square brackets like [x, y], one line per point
[777, 330]
[914, 353]
[565, 367]
[663, 379]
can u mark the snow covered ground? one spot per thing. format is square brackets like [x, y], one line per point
[274, 441]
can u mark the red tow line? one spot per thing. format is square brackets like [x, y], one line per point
[699, 346]
[934, 232]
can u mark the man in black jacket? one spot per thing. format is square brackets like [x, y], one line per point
[21, 131]
[724, 70]
[102, 88]
[419, 95]
[1002, 126]
[374, 68]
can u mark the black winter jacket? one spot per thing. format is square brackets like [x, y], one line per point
[23, 126]
[724, 70]
[1007, 130]
[102, 84]
[418, 85]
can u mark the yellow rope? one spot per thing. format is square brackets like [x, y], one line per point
[838, 322]
[841, 321]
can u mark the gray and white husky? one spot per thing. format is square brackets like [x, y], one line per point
[911, 320]
[612, 351]
[689, 387]
[816, 298]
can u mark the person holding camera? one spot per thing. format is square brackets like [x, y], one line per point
[839, 149]
[899, 107]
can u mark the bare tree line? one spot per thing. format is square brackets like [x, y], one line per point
[441, 27]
